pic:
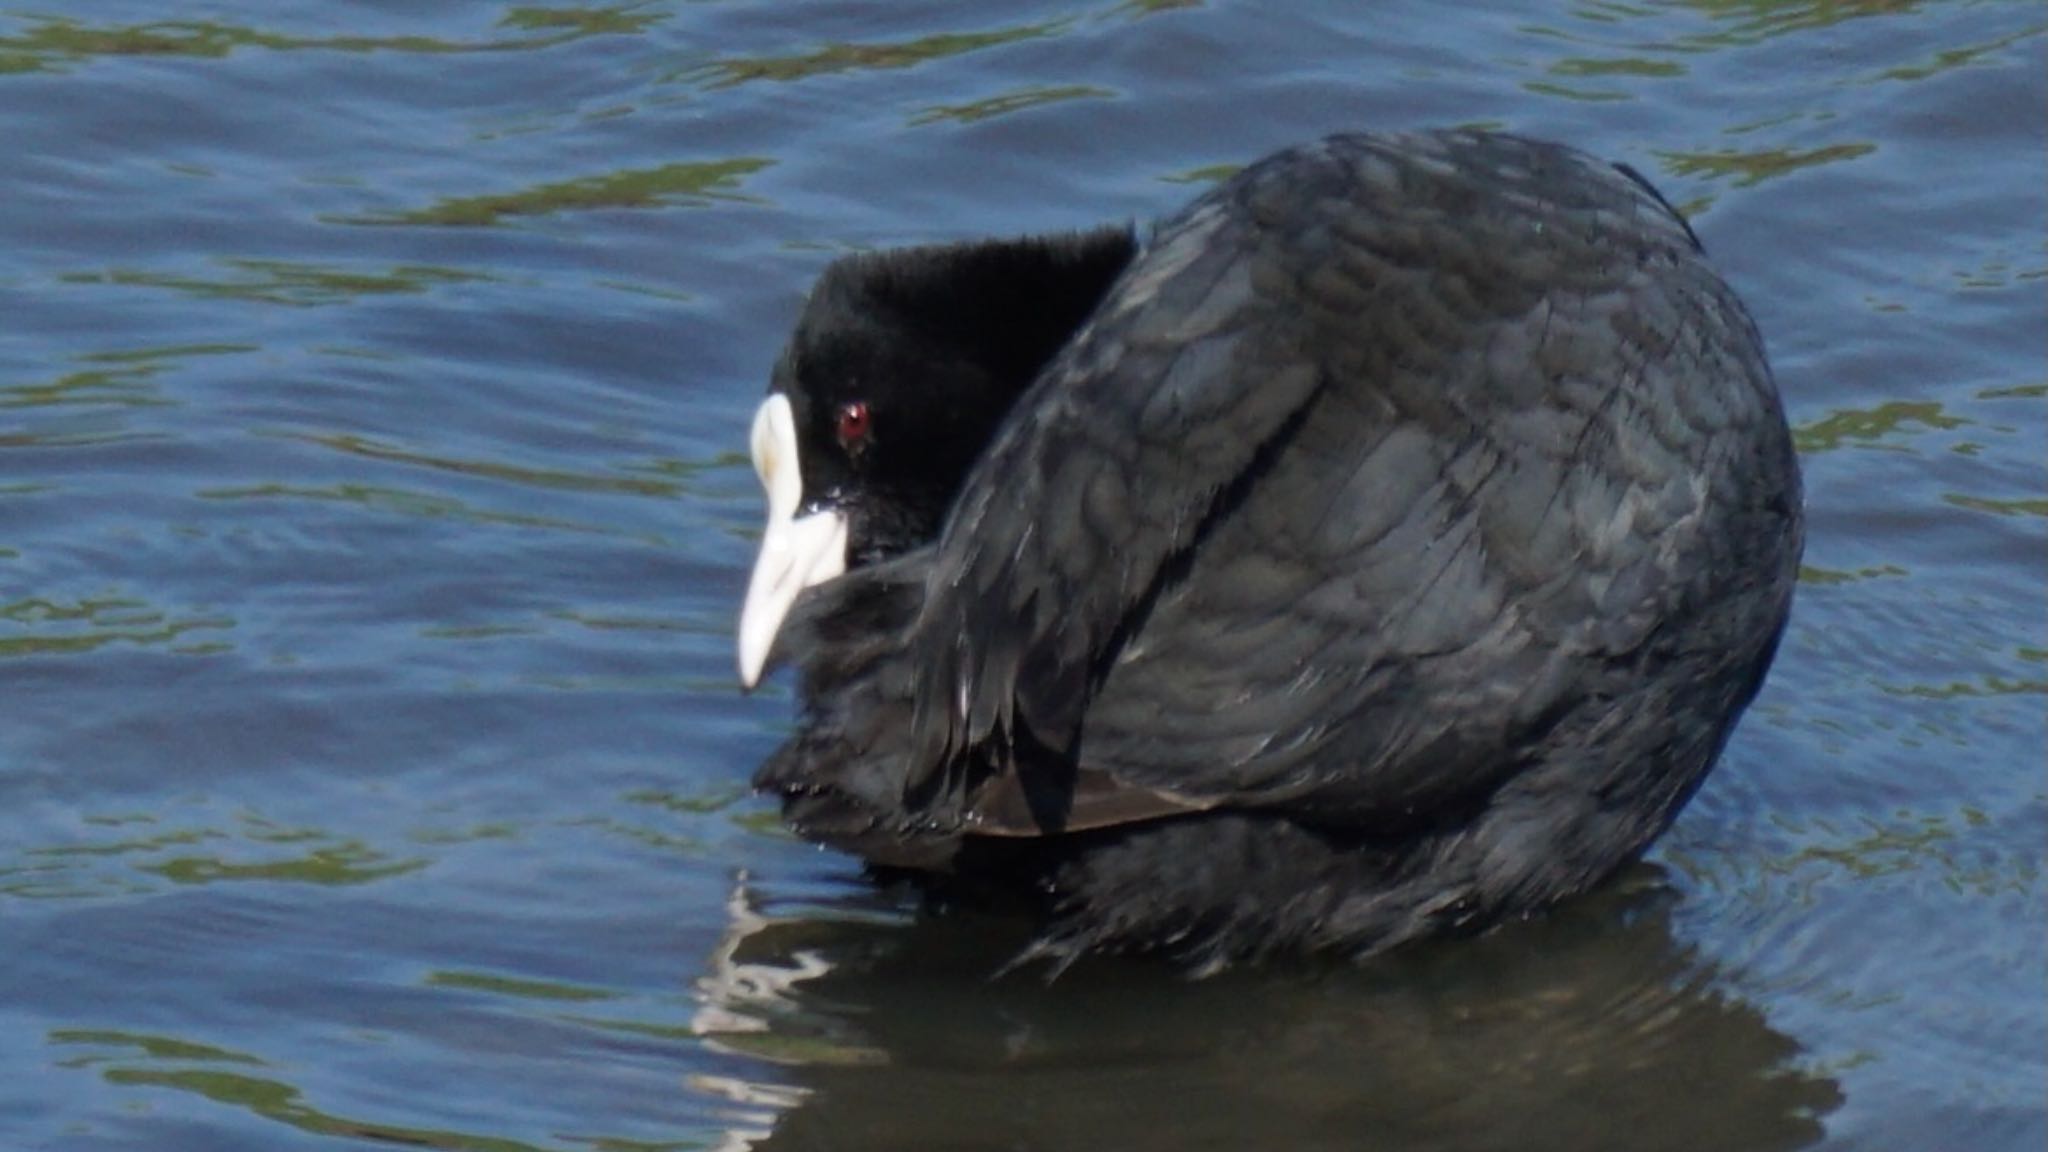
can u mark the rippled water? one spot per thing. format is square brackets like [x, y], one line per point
[371, 521]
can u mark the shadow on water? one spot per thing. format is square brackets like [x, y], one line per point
[1593, 1029]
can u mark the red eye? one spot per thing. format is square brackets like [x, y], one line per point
[853, 424]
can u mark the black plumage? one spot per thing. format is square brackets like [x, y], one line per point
[1384, 546]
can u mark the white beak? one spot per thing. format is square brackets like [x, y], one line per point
[796, 552]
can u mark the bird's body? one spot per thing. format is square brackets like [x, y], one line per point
[1386, 546]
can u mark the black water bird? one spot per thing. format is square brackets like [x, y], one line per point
[1384, 545]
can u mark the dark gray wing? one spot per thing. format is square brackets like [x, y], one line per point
[1544, 505]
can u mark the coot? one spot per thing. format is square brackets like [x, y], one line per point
[1384, 545]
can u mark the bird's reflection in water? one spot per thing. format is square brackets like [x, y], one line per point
[1591, 1029]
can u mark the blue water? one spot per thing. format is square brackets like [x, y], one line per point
[373, 383]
